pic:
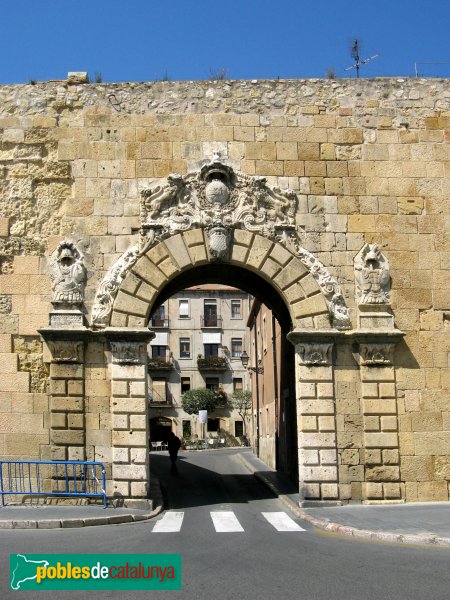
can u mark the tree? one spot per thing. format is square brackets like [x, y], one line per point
[199, 399]
[241, 400]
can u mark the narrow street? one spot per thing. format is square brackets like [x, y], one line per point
[238, 541]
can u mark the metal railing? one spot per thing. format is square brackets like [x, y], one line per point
[59, 478]
[157, 322]
[210, 321]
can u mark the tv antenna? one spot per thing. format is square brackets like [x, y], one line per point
[358, 60]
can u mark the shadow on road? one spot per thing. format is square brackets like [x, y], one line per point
[200, 485]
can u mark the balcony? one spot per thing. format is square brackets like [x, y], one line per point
[210, 322]
[155, 400]
[160, 363]
[212, 363]
[158, 323]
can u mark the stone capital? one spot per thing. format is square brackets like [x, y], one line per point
[315, 353]
[128, 353]
[63, 351]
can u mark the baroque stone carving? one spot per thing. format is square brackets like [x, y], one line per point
[216, 193]
[318, 354]
[372, 276]
[219, 241]
[68, 276]
[66, 351]
[376, 354]
[330, 288]
[130, 353]
[218, 199]
[107, 290]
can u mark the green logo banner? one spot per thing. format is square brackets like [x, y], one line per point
[95, 571]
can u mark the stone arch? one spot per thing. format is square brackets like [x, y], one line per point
[216, 216]
[276, 264]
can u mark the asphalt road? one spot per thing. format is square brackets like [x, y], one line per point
[258, 562]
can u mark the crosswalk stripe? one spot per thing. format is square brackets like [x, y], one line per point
[170, 523]
[281, 521]
[225, 521]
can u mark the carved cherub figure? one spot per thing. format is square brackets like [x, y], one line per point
[157, 198]
[282, 204]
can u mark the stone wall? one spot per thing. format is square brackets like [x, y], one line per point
[370, 162]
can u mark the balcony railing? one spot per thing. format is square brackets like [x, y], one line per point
[211, 322]
[212, 363]
[156, 322]
[160, 363]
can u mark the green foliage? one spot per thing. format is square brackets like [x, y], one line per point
[199, 399]
[211, 362]
[241, 400]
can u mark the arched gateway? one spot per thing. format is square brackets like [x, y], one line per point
[219, 218]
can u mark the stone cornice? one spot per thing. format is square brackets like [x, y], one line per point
[123, 334]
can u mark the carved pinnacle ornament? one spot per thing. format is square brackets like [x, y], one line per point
[68, 276]
[372, 276]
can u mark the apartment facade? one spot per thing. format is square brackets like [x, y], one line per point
[272, 367]
[200, 334]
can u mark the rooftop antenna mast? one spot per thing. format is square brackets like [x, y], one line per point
[358, 60]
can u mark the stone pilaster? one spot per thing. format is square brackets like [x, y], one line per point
[130, 469]
[379, 410]
[67, 427]
[377, 337]
[316, 417]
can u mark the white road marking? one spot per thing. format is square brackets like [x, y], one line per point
[170, 523]
[281, 521]
[225, 521]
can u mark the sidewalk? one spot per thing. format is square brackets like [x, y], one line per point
[412, 523]
[52, 516]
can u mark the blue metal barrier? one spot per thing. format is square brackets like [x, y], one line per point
[66, 478]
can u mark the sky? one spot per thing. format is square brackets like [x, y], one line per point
[148, 40]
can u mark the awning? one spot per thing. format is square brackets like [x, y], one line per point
[161, 339]
[212, 338]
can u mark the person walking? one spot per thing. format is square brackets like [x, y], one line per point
[173, 444]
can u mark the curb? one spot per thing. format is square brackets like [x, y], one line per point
[155, 492]
[345, 530]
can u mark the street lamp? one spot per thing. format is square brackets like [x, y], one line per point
[245, 358]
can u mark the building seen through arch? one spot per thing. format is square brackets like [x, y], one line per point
[200, 335]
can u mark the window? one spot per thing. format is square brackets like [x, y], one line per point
[159, 351]
[158, 317]
[159, 390]
[236, 309]
[212, 383]
[185, 348]
[238, 428]
[236, 347]
[183, 309]
[237, 384]
[213, 425]
[211, 350]
[185, 384]
[210, 313]
[187, 431]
